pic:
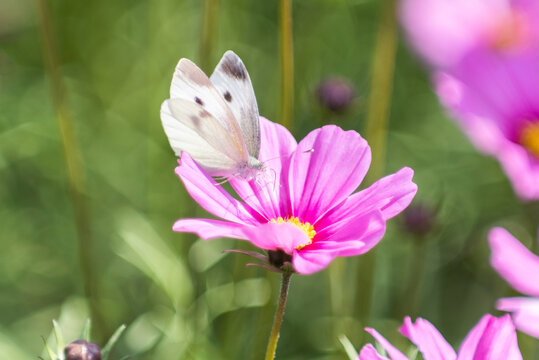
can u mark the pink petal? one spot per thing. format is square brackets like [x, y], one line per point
[310, 261]
[390, 195]
[353, 236]
[274, 236]
[393, 353]
[525, 313]
[276, 142]
[468, 347]
[521, 168]
[514, 262]
[210, 229]
[491, 339]
[213, 198]
[491, 95]
[328, 165]
[442, 31]
[369, 353]
[266, 194]
[499, 85]
[475, 118]
[430, 342]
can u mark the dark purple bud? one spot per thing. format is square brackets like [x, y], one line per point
[82, 350]
[335, 94]
[419, 219]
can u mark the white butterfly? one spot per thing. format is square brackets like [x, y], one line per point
[215, 120]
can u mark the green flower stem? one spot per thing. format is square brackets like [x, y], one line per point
[74, 167]
[278, 320]
[412, 294]
[287, 62]
[383, 66]
[209, 33]
[379, 103]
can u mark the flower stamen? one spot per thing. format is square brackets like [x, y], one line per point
[306, 227]
[529, 138]
[509, 32]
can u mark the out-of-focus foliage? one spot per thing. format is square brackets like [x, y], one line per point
[182, 298]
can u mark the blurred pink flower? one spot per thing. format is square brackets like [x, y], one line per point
[495, 100]
[491, 339]
[306, 212]
[484, 55]
[520, 268]
[442, 31]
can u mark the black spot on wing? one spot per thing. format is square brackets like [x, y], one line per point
[227, 96]
[234, 67]
[196, 121]
[199, 101]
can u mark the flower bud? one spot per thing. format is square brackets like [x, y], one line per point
[419, 219]
[82, 350]
[335, 94]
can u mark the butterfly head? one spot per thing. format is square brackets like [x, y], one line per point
[251, 169]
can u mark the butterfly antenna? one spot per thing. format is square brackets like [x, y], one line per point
[282, 156]
[274, 178]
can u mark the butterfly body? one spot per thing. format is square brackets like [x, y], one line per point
[251, 169]
[215, 120]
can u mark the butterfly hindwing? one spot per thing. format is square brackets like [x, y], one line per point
[232, 81]
[191, 128]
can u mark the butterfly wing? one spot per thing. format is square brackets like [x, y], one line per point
[191, 128]
[191, 84]
[234, 85]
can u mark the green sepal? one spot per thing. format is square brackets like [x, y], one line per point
[51, 353]
[60, 344]
[87, 330]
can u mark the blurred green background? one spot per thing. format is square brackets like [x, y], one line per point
[180, 297]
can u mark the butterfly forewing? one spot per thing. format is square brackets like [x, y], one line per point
[191, 84]
[234, 85]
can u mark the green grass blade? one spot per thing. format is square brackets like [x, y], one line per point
[105, 352]
[348, 347]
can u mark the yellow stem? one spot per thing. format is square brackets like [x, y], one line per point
[74, 167]
[287, 63]
[209, 34]
[379, 103]
[383, 66]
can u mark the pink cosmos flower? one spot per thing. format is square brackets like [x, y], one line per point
[491, 339]
[442, 31]
[484, 56]
[520, 268]
[306, 214]
[495, 100]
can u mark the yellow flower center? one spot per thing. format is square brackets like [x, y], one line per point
[307, 228]
[529, 138]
